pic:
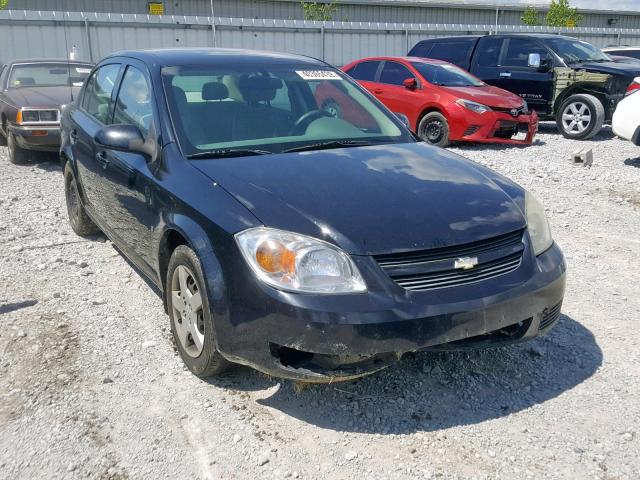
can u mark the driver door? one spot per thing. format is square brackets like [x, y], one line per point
[127, 178]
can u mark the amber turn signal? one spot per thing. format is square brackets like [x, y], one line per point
[274, 257]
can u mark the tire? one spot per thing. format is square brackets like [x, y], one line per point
[192, 320]
[80, 222]
[17, 155]
[434, 129]
[580, 117]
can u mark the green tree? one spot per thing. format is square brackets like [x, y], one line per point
[561, 14]
[3, 4]
[530, 17]
[318, 11]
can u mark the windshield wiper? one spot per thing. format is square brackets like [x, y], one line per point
[331, 144]
[225, 153]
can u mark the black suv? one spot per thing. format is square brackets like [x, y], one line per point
[562, 78]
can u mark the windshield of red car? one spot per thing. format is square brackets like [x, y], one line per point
[48, 75]
[446, 75]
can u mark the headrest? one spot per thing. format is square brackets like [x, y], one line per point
[179, 95]
[214, 91]
[258, 88]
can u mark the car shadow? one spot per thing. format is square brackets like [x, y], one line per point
[633, 162]
[430, 391]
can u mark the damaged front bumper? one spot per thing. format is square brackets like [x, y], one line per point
[335, 338]
[502, 127]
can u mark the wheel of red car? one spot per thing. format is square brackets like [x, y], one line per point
[17, 155]
[332, 107]
[434, 129]
[580, 117]
[190, 315]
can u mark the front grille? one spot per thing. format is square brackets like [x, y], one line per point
[435, 268]
[510, 111]
[550, 316]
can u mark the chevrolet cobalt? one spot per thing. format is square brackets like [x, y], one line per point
[282, 237]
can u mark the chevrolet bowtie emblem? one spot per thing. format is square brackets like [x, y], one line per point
[465, 263]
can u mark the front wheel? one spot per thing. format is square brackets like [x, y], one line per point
[434, 129]
[17, 155]
[190, 314]
[580, 117]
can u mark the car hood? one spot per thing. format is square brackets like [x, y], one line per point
[378, 199]
[487, 95]
[630, 70]
[41, 96]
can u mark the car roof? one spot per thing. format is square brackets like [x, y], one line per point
[621, 48]
[432, 61]
[48, 60]
[170, 57]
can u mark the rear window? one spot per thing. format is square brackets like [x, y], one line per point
[453, 52]
[422, 49]
[365, 71]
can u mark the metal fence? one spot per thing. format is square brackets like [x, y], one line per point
[30, 34]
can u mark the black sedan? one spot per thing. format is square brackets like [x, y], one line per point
[32, 93]
[281, 237]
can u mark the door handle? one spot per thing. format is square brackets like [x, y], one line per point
[378, 91]
[505, 74]
[102, 159]
[74, 134]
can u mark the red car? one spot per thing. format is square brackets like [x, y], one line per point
[442, 102]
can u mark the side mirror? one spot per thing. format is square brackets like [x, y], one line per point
[404, 119]
[534, 60]
[124, 138]
[410, 83]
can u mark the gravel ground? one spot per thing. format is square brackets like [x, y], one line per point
[91, 386]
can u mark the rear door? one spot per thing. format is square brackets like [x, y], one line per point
[366, 73]
[91, 114]
[126, 176]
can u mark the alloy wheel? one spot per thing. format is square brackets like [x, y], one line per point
[576, 117]
[186, 301]
[73, 202]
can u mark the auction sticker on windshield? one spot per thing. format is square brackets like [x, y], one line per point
[318, 75]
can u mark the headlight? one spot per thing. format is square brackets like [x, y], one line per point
[473, 106]
[25, 116]
[525, 106]
[537, 225]
[298, 263]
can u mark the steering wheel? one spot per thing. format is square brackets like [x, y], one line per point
[303, 122]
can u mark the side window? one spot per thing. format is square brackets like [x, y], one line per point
[282, 99]
[489, 51]
[394, 73]
[453, 52]
[133, 105]
[422, 49]
[365, 71]
[518, 51]
[96, 99]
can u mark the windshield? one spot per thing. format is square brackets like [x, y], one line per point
[575, 51]
[270, 108]
[48, 75]
[446, 75]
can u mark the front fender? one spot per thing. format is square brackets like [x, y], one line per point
[201, 244]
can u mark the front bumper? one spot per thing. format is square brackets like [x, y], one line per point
[497, 127]
[333, 338]
[41, 138]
